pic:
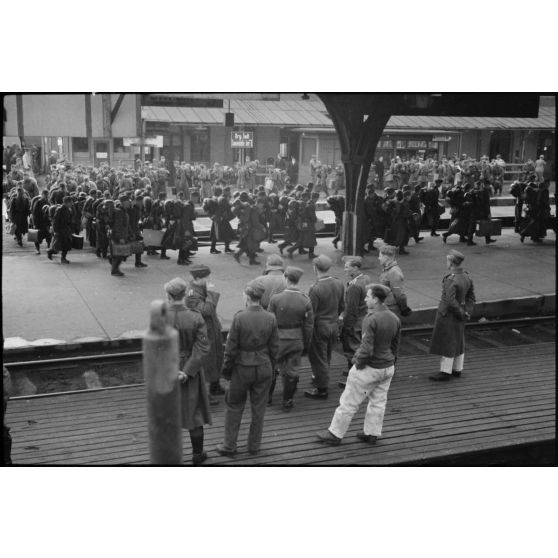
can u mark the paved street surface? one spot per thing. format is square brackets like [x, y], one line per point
[45, 302]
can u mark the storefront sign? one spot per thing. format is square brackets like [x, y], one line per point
[242, 139]
[441, 138]
[101, 155]
[151, 141]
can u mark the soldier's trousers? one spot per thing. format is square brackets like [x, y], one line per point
[319, 352]
[253, 381]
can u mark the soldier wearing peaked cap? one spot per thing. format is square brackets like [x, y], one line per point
[371, 375]
[250, 357]
[295, 320]
[455, 308]
[194, 347]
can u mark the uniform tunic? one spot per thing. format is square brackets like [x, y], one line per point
[295, 320]
[458, 297]
[250, 356]
[392, 277]
[326, 296]
[194, 346]
[355, 310]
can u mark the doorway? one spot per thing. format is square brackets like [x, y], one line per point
[101, 153]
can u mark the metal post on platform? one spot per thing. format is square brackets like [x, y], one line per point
[160, 368]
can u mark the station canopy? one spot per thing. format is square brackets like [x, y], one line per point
[290, 110]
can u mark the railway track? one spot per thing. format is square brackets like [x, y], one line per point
[45, 377]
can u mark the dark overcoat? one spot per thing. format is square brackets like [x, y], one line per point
[205, 301]
[458, 298]
[193, 347]
[62, 226]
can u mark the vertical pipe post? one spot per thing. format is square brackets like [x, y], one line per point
[160, 367]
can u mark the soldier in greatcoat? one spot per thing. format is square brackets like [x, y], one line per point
[295, 320]
[120, 232]
[194, 347]
[62, 227]
[326, 296]
[202, 296]
[41, 221]
[250, 357]
[455, 308]
[19, 211]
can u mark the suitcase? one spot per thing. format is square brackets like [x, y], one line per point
[492, 227]
[33, 235]
[122, 250]
[77, 242]
[152, 237]
[137, 247]
[496, 227]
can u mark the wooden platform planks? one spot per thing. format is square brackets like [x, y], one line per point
[506, 397]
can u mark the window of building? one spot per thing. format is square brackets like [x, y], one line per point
[80, 145]
[118, 145]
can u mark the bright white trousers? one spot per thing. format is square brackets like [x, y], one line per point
[371, 383]
[448, 365]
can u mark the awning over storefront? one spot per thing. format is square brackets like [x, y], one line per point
[249, 113]
[312, 115]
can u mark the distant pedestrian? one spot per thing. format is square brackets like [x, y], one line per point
[250, 357]
[371, 375]
[455, 308]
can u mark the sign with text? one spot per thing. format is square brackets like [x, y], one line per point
[242, 139]
[151, 141]
[441, 138]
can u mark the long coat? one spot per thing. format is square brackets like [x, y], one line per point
[307, 226]
[62, 226]
[19, 212]
[458, 297]
[194, 347]
[205, 302]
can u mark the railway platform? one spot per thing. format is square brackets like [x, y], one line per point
[502, 410]
[45, 304]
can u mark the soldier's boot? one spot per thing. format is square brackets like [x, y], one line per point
[282, 246]
[289, 389]
[272, 387]
[196, 437]
[228, 249]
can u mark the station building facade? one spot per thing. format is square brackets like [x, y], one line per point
[94, 129]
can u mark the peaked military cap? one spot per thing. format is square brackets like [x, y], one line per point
[294, 272]
[176, 287]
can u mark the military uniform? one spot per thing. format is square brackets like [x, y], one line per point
[295, 320]
[326, 296]
[456, 304]
[392, 277]
[250, 356]
[355, 310]
[194, 347]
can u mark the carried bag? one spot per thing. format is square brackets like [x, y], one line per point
[489, 227]
[152, 237]
[77, 242]
[319, 225]
[441, 209]
[13, 228]
[122, 250]
[260, 234]
[33, 235]
[136, 247]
